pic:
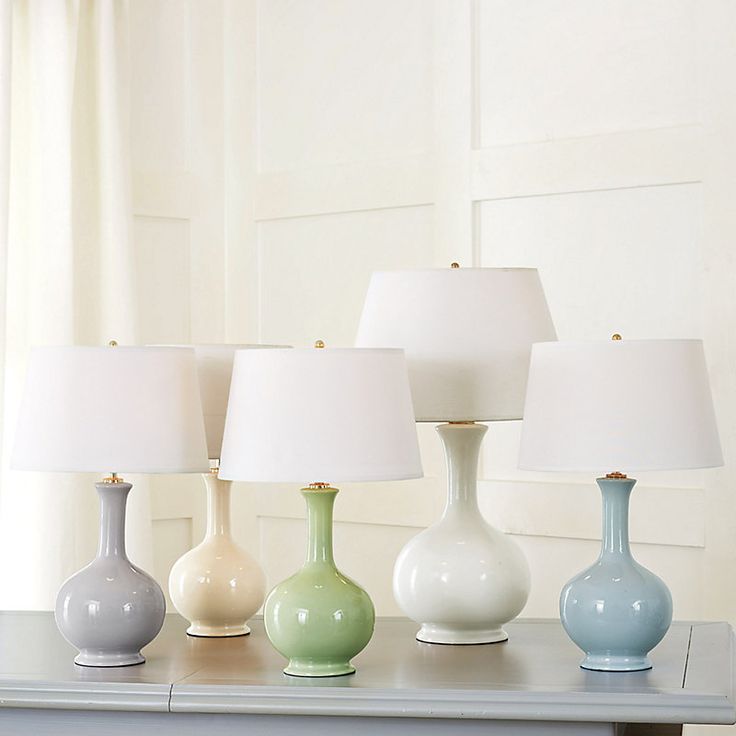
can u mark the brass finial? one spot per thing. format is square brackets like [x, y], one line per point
[112, 343]
[454, 264]
[318, 486]
[319, 344]
[616, 475]
[113, 478]
[615, 336]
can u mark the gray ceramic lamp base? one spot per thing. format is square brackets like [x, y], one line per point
[110, 609]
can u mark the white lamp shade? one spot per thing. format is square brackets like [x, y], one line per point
[111, 409]
[320, 415]
[467, 333]
[621, 405]
[214, 369]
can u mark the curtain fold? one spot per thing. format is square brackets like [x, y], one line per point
[68, 276]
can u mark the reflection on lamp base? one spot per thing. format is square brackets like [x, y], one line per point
[204, 631]
[300, 667]
[91, 658]
[615, 663]
[439, 634]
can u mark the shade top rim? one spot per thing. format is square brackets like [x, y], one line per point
[461, 269]
[618, 343]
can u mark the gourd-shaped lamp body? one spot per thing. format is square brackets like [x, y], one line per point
[217, 585]
[618, 406]
[320, 415]
[319, 618]
[107, 410]
[467, 333]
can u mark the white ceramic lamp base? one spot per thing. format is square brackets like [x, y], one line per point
[217, 585]
[461, 578]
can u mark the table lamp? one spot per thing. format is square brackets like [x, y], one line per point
[614, 407]
[467, 333]
[217, 586]
[91, 409]
[319, 415]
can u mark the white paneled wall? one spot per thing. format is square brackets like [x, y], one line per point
[286, 149]
[314, 268]
[178, 212]
[556, 69]
[342, 82]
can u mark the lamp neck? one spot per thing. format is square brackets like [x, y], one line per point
[462, 443]
[320, 503]
[113, 499]
[218, 505]
[616, 493]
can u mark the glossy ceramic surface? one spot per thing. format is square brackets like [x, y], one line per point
[110, 609]
[319, 619]
[616, 611]
[217, 586]
[461, 578]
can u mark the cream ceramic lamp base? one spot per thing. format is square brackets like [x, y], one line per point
[217, 585]
[461, 578]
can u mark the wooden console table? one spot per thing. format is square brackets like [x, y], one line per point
[529, 685]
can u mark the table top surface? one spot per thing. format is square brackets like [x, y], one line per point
[533, 676]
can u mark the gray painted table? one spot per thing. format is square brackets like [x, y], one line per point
[529, 685]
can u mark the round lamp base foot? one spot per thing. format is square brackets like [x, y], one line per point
[318, 668]
[217, 632]
[614, 663]
[434, 634]
[85, 658]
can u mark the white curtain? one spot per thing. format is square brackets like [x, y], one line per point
[65, 257]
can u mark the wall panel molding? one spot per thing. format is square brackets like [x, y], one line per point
[629, 159]
[163, 194]
[624, 160]
[405, 182]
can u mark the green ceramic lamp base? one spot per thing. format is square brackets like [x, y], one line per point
[318, 618]
[300, 667]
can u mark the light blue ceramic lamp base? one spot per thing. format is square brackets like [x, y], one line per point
[616, 611]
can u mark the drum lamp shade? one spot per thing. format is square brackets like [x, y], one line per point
[467, 333]
[320, 415]
[619, 405]
[111, 409]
